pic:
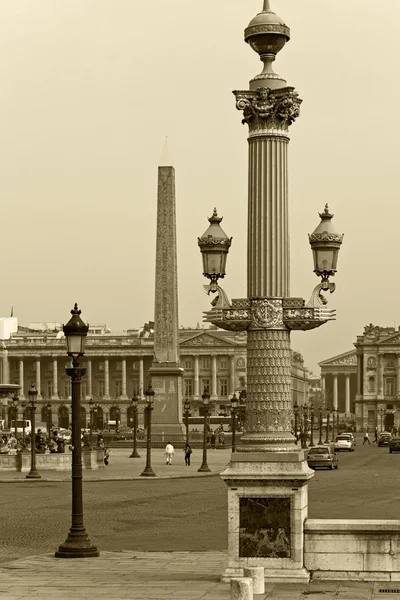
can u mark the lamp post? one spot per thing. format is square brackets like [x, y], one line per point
[234, 405]
[15, 405]
[135, 402]
[148, 471]
[337, 421]
[187, 409]
[77, 544]
[333, 424]
[296, 418]
[320, 427]
[32, 393]
[328, 414]
[305, 426]
[91, 406]
[49, 418]
[206, 402]
[23, 406]
[312, 425]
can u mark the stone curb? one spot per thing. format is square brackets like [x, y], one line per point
[102, 479]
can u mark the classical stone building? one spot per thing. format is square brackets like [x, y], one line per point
[339, 381]
[117, 367]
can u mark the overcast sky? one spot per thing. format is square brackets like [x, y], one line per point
[90, 89]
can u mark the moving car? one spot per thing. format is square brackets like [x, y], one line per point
[344, 442]
[384, 438]
[322, 456]
[394, 445]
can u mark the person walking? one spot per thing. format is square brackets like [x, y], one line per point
[366, 438]
[169, 452]
[212, 440]
[375, 436]
[188, 451]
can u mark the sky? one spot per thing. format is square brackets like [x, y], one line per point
[91, 89]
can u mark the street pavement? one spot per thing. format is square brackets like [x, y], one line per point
[165, 537]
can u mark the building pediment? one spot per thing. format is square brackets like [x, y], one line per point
[206, 339]
[392, 340]
[347, 358]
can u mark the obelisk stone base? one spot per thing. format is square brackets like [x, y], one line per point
[167, 384]
[267, 507]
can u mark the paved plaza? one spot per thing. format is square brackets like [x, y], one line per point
[157, 576]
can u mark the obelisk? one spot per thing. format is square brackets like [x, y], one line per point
[166, 374]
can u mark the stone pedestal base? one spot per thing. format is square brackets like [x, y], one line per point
[267, 507]
[166, 380]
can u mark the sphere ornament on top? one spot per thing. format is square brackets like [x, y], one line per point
[267, 34]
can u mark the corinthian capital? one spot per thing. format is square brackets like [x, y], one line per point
[268, 111]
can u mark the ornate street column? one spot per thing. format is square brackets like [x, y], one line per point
[124, 396]
[214, 393]
[55, 381]
[347, 395]
[89, 379]
[106, 380]
[21, 378]
[335, 391]
[38, 380]
[231, 374]
[196, 378]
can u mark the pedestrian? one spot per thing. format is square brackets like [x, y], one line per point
[169, 452]
[375, 436]
[188, 451]
[366, 438]
[212, 440]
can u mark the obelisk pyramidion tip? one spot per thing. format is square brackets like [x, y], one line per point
[166, 157]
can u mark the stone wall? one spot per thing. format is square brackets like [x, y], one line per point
[50, 462]
[360, 549]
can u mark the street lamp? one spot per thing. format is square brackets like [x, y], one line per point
[333, 424]
[91, 406]
[135, 402]
[15, 405]
[187, 409]
[32, 393]
[206, 402]
[234, 405]
[320, 427]
[337, 421]
[49, 418]
[312, 425]
[148, 471]
[328, 414]
[77, 544]
[23, 406]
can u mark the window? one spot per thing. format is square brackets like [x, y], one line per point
[50, 366]
[100, 388]
[389, 386]
[205, 385]
[118, 365]
[188, 387]
[101, 366]
[134, 365]
[118, 388]
[188, 363]
[33, 366]
[223, 387]
[223, 363]
[205, 361]
[67, 389]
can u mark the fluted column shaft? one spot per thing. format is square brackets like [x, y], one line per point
[347, 394]
[268, 226]
[21, 378]
[141, 378]
[89, 378]
[231, 374]
[196, 377]
[335, 391]
[38, 379]
[106, 379]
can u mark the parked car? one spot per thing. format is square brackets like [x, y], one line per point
[344, 442]
[349, 435]
[322, 456]
[394, 445]
[384, 438]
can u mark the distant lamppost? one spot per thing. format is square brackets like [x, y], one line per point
[135, 402]
[15, 405]
[117, 421]
[328, 414]
[23, 405]
[312, 425]
[337, 421]
[77, 544]
[206, 403]
[187, 409]
[320, 427]
[234, 405]
[148, 471]
[296, 418]
[305, 427]
[49, 418]
[32, 393]
[91, 408]
[333, 424]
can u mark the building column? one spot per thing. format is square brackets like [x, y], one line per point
[141, 379]
[6, 368]
[214, 377]
[231, 374]
[335, 391]
[347, 395]
[38, 380]
[89, 379]
[196, 378]
[380, 377]
[322, 383]
[106, 379]
[398, 377]
[124, 379]
[359, 375]
[55, 380]
[21, 378]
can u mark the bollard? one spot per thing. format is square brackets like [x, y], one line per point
[257, 575]
[242, 588]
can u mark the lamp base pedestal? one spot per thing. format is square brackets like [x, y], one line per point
[148, 472]
[77, 545]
